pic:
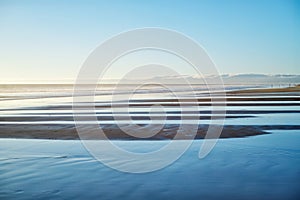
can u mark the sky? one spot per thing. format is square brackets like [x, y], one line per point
[50, 40]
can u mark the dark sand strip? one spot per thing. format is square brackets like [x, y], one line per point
[65, 132]
[240, 112]
[267, 90]
[108, 118]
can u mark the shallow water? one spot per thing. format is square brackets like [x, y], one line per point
[257, 167]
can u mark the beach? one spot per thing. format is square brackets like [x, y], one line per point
[256, 157]
[54, 120]
[150, 100]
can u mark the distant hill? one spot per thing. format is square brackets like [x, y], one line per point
[240, 79]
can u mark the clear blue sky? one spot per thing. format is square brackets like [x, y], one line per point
[50, 39]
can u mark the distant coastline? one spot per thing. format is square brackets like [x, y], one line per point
[228, 79]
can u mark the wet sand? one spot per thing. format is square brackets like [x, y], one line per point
[283, 97]
[294, 89]
[68, 132]
[114, 132]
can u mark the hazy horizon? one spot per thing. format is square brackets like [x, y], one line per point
[234, 79]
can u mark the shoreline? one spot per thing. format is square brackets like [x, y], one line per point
[112, 131]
